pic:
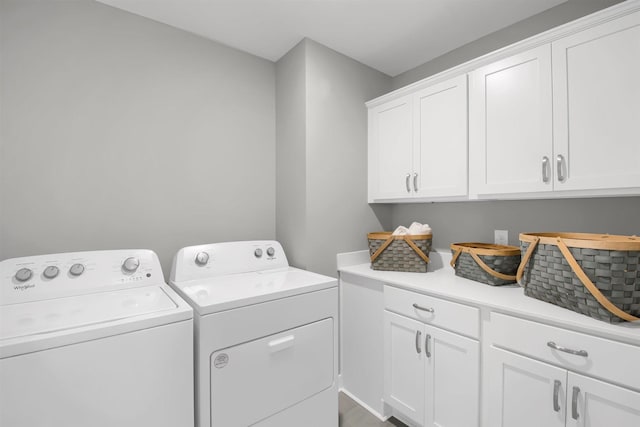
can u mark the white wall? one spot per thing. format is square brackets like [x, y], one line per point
[324, 210]
[117, 132]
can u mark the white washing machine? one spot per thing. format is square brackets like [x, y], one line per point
[266, 336]
[93, 339]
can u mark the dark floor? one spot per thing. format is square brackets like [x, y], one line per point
[354, 415]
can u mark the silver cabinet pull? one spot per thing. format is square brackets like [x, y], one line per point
[556, 392]
[417, 307]
[561, 166]
[406, 182]
[574, 403]
[415, 182]
[545, 169]
[426, 346]
[555, 346]
[418, 335]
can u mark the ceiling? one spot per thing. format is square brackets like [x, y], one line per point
[391, 36]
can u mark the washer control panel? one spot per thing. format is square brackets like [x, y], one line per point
[54, 276]
[216, 259]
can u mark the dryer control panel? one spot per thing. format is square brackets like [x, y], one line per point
[218, 259]
[43, 277]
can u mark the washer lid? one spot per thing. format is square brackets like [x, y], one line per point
[236, 290]
[62, 314]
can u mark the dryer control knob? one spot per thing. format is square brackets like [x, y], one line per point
[76, 269]
[23, 274]
[271, 251]
[202, 258]
[130, 264]
[51, 272]
[257, 253]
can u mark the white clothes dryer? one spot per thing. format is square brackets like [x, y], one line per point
[93, 339]
[266, 336]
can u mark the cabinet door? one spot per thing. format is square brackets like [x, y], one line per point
[524, 392]
[510, 146]
[597, 106]
[390, 149]
[595, 403]
[404, 365]
[440, 140]
[452, 380]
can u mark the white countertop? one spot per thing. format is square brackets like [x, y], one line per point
[441, 281]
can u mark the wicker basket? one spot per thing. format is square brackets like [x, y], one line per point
[485, 262]
[592, 274]
[399, 253]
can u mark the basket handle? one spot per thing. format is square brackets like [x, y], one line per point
[406, 239]
[525, 259]
[490, 270]
[382, 248]
[480, 263]
[603, 300]
[415, 247]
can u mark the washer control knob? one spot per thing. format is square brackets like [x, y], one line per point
[271, 251]
[51, 272]
[76, 269]
[130, 264]
[202, 258]
[23, 274]
[258, 253]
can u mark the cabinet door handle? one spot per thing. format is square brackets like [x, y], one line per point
[418, 335]
[574, 403]
[415, 182]
[406, 182]
[556, 392]
[426, 346]
[545, 169]
[560, 163]
[417, 307]
[555, 346]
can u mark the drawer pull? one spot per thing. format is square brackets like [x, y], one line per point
[574, 403]
[556, 391]
[417, 307]
[418, 335]
[555, 346]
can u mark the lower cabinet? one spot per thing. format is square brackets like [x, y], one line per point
[525, 392]
[431, 376]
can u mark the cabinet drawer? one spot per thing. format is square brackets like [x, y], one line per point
[448, 315]
[610, 360]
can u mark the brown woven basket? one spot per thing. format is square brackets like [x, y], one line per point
[399, 253]
[593, 274]
[485, 262]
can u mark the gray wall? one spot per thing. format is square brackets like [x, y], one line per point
[291, 167]
[336, 215]
[476, 221]
[561, 14]
[117, 131]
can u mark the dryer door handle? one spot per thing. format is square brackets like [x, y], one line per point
[281, 343]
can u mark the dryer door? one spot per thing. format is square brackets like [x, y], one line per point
[254, 380]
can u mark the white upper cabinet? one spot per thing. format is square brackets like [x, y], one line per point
[510, 138]
[390, 149]
[563, 117]
[418, 145]
[596, 110]
[440, 140]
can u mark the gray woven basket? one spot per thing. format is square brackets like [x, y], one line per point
[494, 265]
[611, 264]
[395, 253]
